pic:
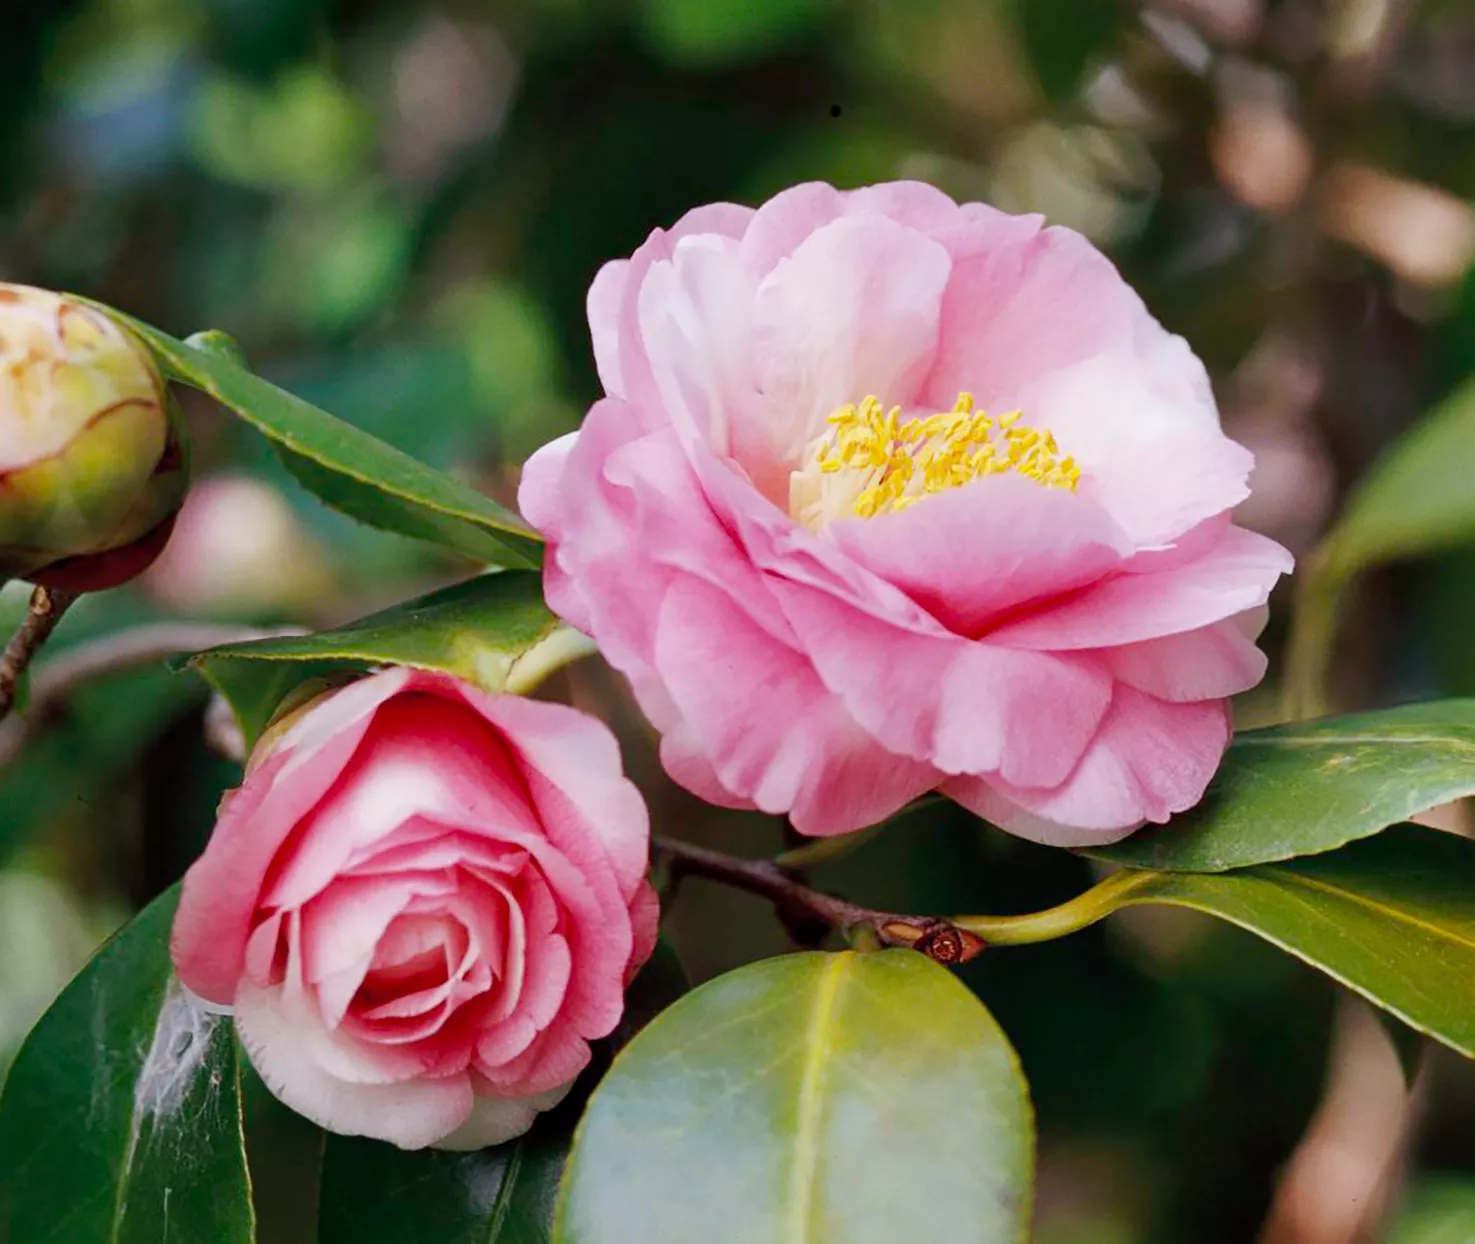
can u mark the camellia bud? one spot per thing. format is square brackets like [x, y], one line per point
[92, 451]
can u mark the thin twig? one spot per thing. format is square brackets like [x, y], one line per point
[938, 939]
[56, 681]
[45, 611]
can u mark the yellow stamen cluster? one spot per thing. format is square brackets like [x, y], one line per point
[909, 460]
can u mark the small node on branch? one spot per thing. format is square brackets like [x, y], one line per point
[45, 611]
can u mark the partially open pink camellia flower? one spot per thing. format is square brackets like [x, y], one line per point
[423, 903]
[889, 493]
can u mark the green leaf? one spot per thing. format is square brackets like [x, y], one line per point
[1391, 917]
[121, 1117]
[1416, 499]
[374, 1193]
[814, 1098]
[476, 630]
[1315, 786]
[345, 466]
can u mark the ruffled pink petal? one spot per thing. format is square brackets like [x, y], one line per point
[962, 705]
[550, 969]
[645, 927]
[605, 302]
[496, 1120]
[1149, 760]
[633, 368]
[556, 1056]
[853, 311]
[220, 892]
[285, 1045]
[427, 753]
[1208, 664]
[783, 223]
[342, 927]
[1158, 466]
[1024, 303]
[975, 554]
[1234, 575]
[769, 728]
[571, 763]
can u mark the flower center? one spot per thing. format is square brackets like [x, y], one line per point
[870, 460]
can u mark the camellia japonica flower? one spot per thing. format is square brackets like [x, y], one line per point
[889, 493]
[422, 903]
[92, 453]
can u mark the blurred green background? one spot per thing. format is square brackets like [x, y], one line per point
[397, 205]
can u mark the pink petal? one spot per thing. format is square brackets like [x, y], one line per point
[1149, 760]
[962, 705]
[1234, 575]
[496, 1120]
[853, 311]
[782, 224]
[571, 763]
[771, 732]
[605, 303]
[1024, 303]
[633, 368]
[426, 754]
[221, 889]
[557, 1056]
[1208, 664]
[976, 553]
[284, 1046]
[1157, 465]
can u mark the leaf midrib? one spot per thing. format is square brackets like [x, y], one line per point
[810, 1097]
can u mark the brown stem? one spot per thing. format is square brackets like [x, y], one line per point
[46, 610]
[938, 939]
[57, 680]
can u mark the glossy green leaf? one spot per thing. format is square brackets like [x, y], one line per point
[345, 466]
[1311, 787]
[476, 630]
[810, 1099]
[1391, 917]
[374, 1193]
[121, 1117]
[1416, 499]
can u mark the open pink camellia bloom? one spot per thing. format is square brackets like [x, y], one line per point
[889, 493]
[423, 903]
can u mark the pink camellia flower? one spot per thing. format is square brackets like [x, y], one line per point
[423, 903]
[889, 493]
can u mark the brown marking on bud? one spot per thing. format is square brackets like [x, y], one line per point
[946, 943]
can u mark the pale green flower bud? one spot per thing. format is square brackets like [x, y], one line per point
[92, 452]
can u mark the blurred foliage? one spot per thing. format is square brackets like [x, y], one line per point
[397, 206]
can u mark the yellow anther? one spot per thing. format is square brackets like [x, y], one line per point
[886, 462]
